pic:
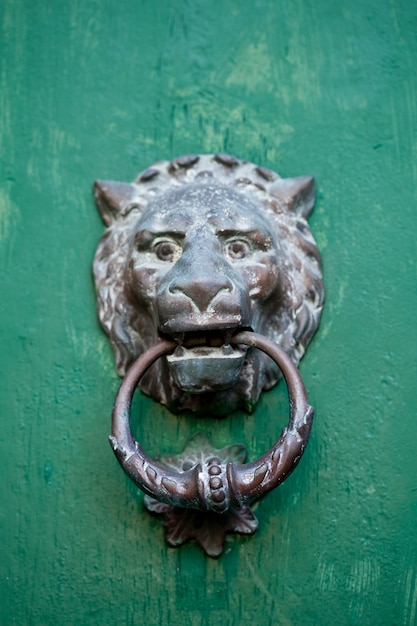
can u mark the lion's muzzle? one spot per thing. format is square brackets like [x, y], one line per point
[201, 292]
[201, 303]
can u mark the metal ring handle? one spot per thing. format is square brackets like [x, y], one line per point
[214, 486]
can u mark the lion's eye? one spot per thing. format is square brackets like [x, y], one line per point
[237, 249]
[167, 251]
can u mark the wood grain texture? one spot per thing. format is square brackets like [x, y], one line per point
[99, 90]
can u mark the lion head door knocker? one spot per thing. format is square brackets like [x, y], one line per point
[209, 288]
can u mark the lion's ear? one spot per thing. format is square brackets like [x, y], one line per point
[114, 199]
[296, 195]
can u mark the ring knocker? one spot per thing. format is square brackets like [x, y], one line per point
[214, 486]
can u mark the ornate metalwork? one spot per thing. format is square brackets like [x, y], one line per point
[197, 249]
[208, 529]
[214, 484]
[199, 253]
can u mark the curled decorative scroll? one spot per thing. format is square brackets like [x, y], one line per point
[214, 485]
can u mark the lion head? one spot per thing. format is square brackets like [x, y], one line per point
[197, 249]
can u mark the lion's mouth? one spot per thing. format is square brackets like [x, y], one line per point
[205, 361]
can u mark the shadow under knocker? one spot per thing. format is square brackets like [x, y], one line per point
[199, 253]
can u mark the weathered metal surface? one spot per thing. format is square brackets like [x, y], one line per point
[207, 528]
[214, 485]
[197, 249]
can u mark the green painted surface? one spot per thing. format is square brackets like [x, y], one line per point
[100, 90]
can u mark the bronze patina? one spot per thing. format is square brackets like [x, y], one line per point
[211, 482]
[197, 249]
[209, 287]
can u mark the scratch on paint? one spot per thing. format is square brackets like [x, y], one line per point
[9, 217]
[327, 579]
[258, 580]
[410, 599]
[364, 576]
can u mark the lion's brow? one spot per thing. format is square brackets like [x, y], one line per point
[145, 235]
[254, 233]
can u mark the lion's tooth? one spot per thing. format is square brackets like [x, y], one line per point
[227, 349]
[179, 351]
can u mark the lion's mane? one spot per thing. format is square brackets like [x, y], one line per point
[287, 203]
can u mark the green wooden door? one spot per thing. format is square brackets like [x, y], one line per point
[100, 89]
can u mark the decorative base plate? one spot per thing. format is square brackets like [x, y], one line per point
[208, 529]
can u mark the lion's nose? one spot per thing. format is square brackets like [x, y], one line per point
[202, 290]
